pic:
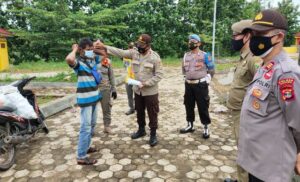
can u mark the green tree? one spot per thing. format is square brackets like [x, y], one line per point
[46, 29]
[52, 26]
[292, 14]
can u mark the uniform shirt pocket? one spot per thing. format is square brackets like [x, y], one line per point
[135, 66]
[242, 72]
[259, 101]
[199, 65]
[148, 67]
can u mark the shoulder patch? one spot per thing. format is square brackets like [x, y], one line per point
[105, 62]
[286, 86]
[209, 58]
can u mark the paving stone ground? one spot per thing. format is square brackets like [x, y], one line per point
[177, 157]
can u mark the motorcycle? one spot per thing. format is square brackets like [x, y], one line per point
[15, 129]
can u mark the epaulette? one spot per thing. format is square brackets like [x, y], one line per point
[287, 64]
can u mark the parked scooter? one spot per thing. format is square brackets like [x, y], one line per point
[15, 129]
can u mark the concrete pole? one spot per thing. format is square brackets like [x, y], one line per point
[214, 30]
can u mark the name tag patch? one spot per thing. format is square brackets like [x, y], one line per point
[263, 83]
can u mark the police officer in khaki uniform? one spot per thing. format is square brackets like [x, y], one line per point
[269, 137]
[198, 68]
[243, 75]
[108, 90]
[147, 68]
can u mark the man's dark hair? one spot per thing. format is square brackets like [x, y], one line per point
[85, 42]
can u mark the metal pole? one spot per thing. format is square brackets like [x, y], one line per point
[214, 30]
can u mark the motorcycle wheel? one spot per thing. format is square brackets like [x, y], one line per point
[7, 151]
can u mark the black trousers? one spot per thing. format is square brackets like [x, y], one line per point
[150, 103]
[197, 93]
[254, 179]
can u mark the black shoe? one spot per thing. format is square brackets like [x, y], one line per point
[153, 140]
[130, 111]
[138, 134]
[230, 180]
[188, 129]
[205, 134]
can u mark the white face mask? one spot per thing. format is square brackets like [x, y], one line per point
[89, 54]
[266, 53]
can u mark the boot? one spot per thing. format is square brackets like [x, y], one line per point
[188, 128]
[153, 139]
[130, 111]
[107, 130]
[140, 133]
[205, 132]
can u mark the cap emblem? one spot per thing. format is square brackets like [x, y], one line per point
[261, 46]
[259, 16]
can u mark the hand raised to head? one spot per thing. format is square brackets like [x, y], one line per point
[75, 47]
[98, 44]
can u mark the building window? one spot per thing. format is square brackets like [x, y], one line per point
[2, 45]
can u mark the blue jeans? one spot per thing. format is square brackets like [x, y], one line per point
[88, 118]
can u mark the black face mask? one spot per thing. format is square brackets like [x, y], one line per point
[192, 46]
[261, 46]
[237, 44]
[141, 50]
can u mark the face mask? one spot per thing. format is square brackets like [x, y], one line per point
[89, 54]
[192, 46]
[261, 46]
[142, 50]
[237, 44]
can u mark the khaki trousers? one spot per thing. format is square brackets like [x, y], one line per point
[106, 106]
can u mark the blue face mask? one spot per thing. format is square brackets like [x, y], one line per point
[89, 54]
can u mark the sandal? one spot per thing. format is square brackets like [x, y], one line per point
[92, 150]
[86, 161]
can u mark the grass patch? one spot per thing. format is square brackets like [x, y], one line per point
[45, 99]
[172, 62]
[224, 66]
[39, 66]
[229, 58]
[60, 77]
[116, 62]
